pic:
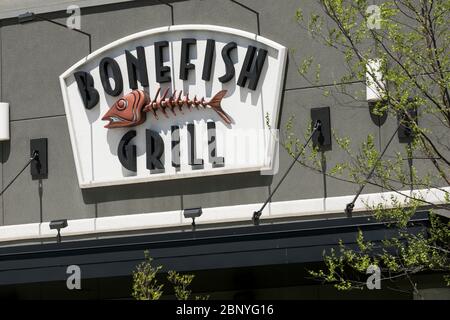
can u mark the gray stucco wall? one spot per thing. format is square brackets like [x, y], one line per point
[35, 54]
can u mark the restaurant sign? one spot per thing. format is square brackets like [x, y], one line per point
[174, 102]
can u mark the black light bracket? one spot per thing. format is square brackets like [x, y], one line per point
[322, 137]
[58, 225]
[256, 216]
[405, 121]
[193, 213]
[349, 209]
[34, 155]
[26, 17]
[39, 162]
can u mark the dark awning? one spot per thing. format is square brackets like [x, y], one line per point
[219, 248]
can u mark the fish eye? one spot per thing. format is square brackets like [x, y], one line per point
[122, 104]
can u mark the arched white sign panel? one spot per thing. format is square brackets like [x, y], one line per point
[174, 102]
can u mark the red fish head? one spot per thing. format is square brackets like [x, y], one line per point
[127, 111]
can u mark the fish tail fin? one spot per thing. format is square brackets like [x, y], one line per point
[214, 103]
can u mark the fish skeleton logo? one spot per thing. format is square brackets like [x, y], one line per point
[130, 110]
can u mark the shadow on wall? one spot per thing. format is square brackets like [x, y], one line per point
[100, 9]
[180, 187]
[280, 113]
[5, 150]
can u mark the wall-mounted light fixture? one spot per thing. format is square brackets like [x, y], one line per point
[322, 137]
[375, 85]
[4, 121]
[39, 165]
[58, 225]
[406, 119]
[192, 214]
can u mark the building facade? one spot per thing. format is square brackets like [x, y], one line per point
[113, 212]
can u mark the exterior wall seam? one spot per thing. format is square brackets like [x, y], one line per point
[39, 118]
[251, 10]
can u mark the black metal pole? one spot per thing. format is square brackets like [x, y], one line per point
[34, 156]
[351, 205]
[257, 214]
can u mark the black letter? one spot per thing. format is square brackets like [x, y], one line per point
[155, 149]
[116, 75]
[185, 65]
[160, 68]
[229, 66]
[134, 64]
[212, 145]
[209, 54]
[247, 72]
[86, 88]
[126, 152]
[195, 163]
[175, 147]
